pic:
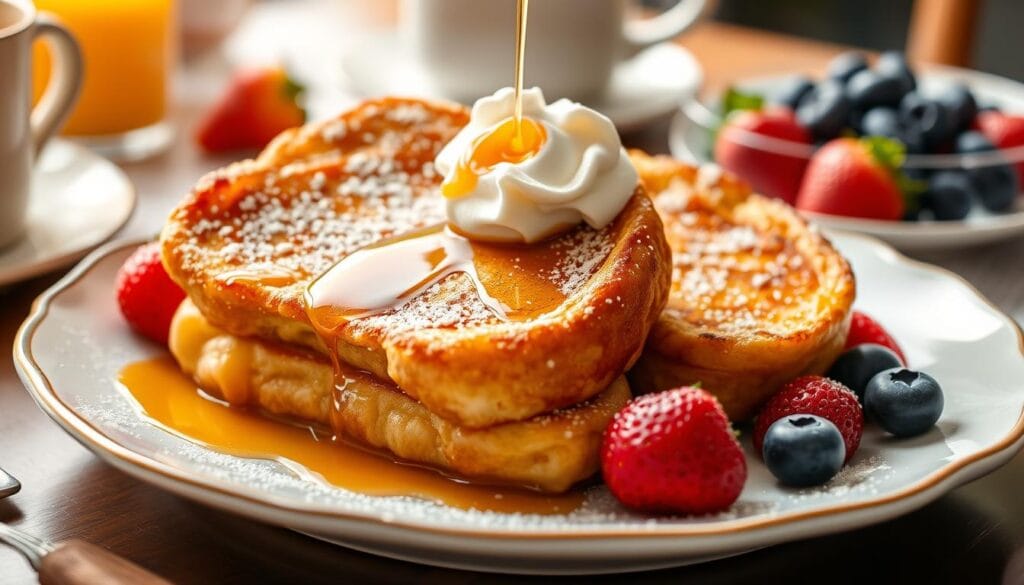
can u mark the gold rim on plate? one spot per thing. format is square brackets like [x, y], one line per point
[89, 435]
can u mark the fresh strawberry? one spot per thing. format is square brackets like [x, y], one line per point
[147, 296]
[818, 396]
[673, 452]
[855, 178]
[1005, 131]
[768, 170]
[864, 329]
[259, 104]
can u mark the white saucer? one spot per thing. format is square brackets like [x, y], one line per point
[78, 200]
[642, 89]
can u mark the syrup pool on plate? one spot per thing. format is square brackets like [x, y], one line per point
[168, 397]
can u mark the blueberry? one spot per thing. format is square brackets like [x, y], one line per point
[972, 141]
[845, 66]
[961, 104]
[857, 365]
[868, 89]
[927, 116]
[903, 402]
[996, 185]
[949, 195]
[894, 64]
[912, 139]
[792, 91]
[917, 174]
[803, 450]
[880, 121]
[824, 110]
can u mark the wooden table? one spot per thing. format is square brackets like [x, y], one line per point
[970, 535]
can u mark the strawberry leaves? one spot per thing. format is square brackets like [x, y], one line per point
[735, 100]
[890, 154]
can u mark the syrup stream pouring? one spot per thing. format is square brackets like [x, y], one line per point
[73, 562]
[522, 8]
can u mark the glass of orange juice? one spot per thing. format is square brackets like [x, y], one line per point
[129, 53]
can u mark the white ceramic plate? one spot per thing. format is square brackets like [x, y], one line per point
[644, 88]
[72, 346]
[78, 200]
[689, 142]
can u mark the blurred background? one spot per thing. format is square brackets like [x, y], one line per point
[996, 41]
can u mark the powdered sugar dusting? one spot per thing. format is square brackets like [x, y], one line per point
[863, 476]
[583, 251]
[311, 212]
[730, 275]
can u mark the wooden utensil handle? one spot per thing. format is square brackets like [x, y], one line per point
[76, 562]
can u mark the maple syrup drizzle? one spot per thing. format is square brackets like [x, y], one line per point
[513, 141]
[392, 272]
[504, 144]
[522, 8]
[168, 397]
[273, 276]
[512, 281]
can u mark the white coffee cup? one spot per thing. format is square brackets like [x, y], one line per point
[466, 47]
[24, 130]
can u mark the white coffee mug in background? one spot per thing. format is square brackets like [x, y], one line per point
[466, 47]
[24, 129]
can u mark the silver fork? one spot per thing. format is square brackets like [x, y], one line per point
[30, 547]
[74, 562]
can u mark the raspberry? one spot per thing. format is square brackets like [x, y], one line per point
[864, 329]
[818, 396]
[673, 452]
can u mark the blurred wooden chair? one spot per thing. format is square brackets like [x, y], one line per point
[942, 31]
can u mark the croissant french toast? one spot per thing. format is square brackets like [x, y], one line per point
[758, 296]
[550, 452]
[249, 239]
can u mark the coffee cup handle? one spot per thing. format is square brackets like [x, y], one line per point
[64, 84]
[640, 34]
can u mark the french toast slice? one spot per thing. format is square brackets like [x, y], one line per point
[249, 238]
[758, 296]
[550, 452]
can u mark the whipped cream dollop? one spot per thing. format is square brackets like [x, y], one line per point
[580, 172]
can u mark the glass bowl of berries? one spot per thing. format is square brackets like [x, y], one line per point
[923, 159]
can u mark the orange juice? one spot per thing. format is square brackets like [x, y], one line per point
[129, 52]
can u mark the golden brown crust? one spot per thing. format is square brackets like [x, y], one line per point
[320, 192]
[758, 296]
[549, 452]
